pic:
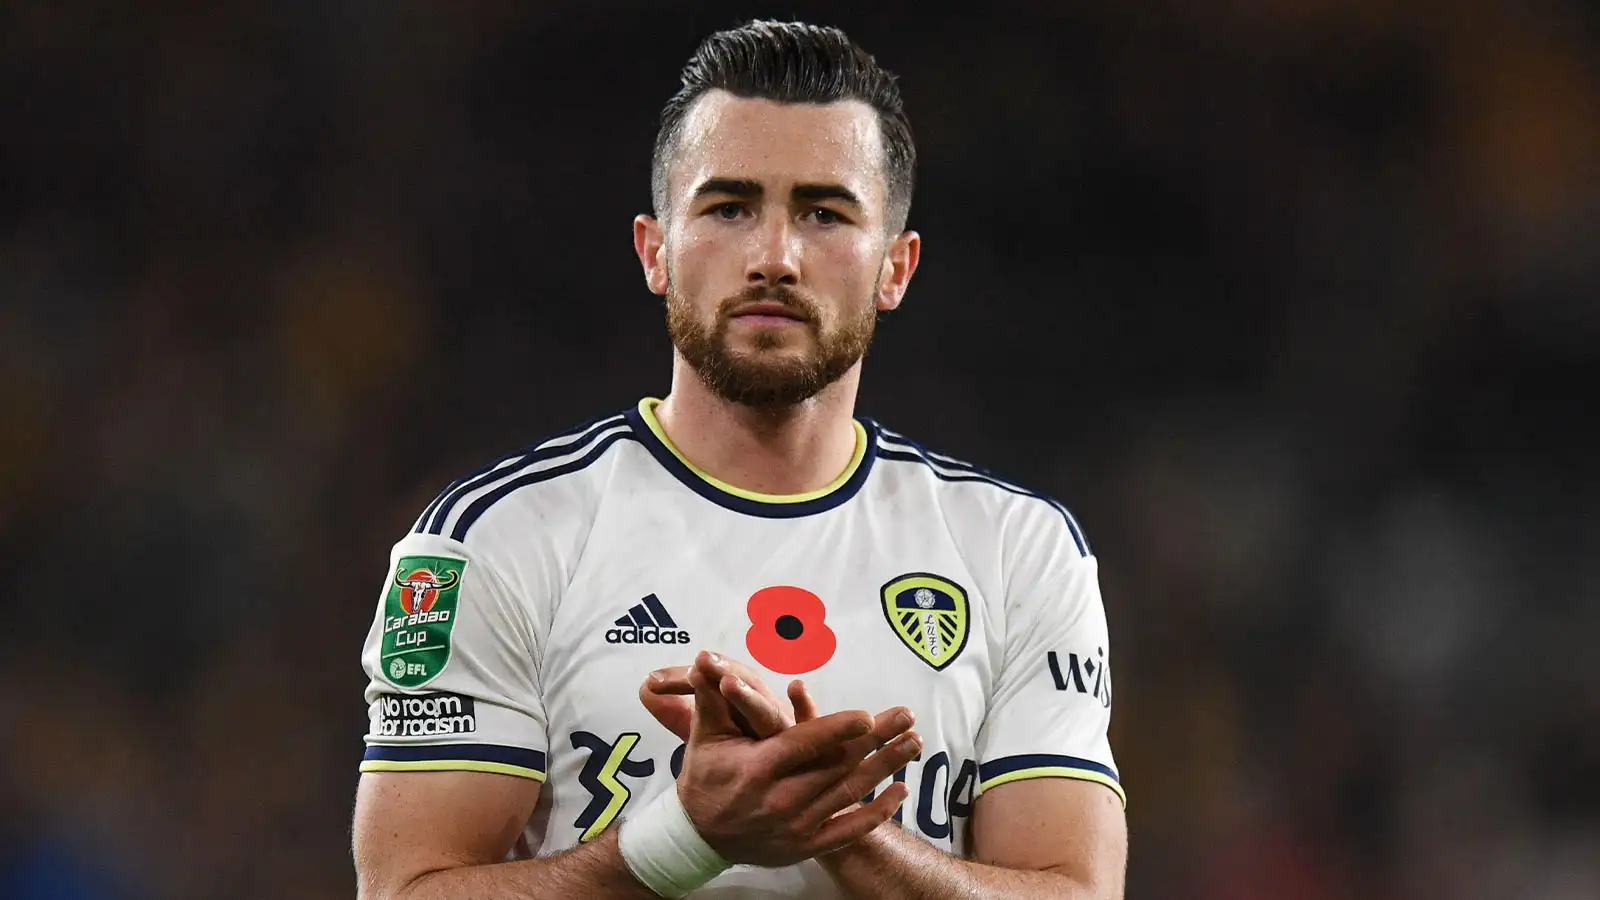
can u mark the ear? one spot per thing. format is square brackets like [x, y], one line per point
[904, 251]
[649, 243]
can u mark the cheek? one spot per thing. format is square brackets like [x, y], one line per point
[852, 267]
[695, 264]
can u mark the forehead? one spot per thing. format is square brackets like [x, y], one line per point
[779, 144]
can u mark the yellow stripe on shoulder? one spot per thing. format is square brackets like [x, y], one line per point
[1057, 772]
[450, 765]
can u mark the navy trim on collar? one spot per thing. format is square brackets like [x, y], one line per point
[745, 505]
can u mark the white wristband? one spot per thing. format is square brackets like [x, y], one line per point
[662, 849]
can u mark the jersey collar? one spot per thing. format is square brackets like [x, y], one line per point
[772, 506]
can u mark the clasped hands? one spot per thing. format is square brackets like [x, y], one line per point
[771, 783]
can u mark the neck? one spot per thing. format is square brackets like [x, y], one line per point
[770, 451]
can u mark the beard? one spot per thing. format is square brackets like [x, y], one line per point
[759, 379]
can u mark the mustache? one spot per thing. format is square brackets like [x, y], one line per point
[794, 301]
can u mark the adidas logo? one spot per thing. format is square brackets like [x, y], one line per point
[647, 623]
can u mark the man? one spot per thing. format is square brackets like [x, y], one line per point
[509, 755]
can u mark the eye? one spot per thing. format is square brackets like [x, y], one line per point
[729, 211]
[824, 216]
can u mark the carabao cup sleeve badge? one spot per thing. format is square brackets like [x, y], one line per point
[418, 614]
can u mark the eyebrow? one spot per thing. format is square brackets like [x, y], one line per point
[742, 188]
[746, 189]
[826, 192]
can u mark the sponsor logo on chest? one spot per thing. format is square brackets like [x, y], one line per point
[648, 622]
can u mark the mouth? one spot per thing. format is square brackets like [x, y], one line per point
[766, 311]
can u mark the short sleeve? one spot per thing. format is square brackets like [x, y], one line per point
[452, 665]
[1051, 707]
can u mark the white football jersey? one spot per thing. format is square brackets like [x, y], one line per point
[519, 617]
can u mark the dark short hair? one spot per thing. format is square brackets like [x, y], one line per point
[792, 62]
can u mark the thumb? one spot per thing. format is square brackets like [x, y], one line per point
[674, 712]
[713, 720]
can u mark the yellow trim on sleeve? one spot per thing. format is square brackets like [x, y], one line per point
[450, 765]
[1056, 772]
[647, 411]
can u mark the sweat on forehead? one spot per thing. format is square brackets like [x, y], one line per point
[780, 144]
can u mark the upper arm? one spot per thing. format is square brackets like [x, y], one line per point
[456, 736]
[1071, 827]
[412, 823]
[1049, 712]
[453, 681]
[1050, 793]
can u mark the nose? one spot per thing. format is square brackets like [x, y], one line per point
[773, 253]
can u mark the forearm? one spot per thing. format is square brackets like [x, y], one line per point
[595, 869]
[890, 864]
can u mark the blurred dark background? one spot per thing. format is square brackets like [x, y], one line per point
[1293, 303]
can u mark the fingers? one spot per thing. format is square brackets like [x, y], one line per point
[825, 765]
[713, 719]
[671, 680]
[847, 828]
[805, 708]
[814, 739]
[757, 715]
[888, 725]
[716, 666]
[713, 665]
[728, 674]
[871, 772]
[675, 679]
[763, 716]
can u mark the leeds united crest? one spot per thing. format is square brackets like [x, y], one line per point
[929, 614]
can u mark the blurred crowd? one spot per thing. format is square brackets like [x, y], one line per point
[1291, 303]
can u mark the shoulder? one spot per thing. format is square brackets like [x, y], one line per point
[558, 475]
[1027, 513]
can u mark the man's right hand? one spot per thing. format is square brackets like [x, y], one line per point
[777, 801]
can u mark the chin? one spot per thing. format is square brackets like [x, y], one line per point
[780, 358]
